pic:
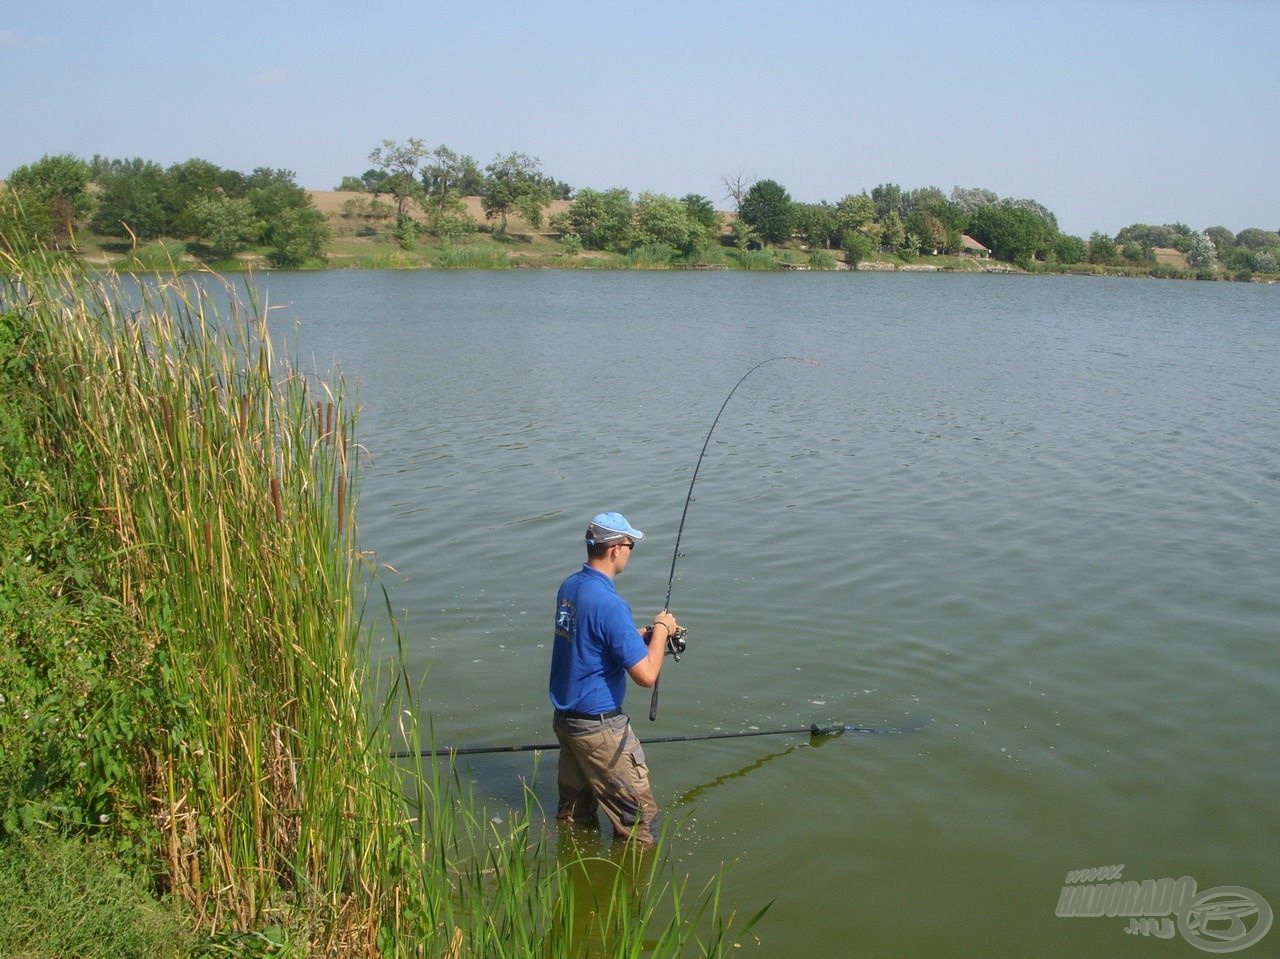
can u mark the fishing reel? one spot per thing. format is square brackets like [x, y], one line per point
[676, 643]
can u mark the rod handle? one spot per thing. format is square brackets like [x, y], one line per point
[653, 702]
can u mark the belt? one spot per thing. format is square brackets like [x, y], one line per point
[574, 714]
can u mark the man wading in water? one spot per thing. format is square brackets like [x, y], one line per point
[597, 645]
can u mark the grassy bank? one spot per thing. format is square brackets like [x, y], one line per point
[486, 251]
[184, 663]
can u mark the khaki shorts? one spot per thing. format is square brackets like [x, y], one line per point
[602, 766]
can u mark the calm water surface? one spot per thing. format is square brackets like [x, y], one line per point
[1039, 513]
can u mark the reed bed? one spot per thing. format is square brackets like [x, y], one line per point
[226, 479]
[756, 259]
[472, 258]
[651, 256]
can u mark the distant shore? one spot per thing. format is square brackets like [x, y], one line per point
[364, 241]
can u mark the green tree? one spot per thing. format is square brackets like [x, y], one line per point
[1039, 209]
[944, 221]
[704, 213]
[398, 163]
[744, 236]
[514, 183]
[291, 225]
[923, 199]
[21, 229]
[271, 192]
[1255, 239]
[973, 199]
[370, 181]
[225, 224]
[1103, 250]
[661, 219]
[1145, 234]
[1069, 249]
[1012, 233]
[450, 176]
[857, 247]
[190, 180]
[817, 223]
[1138, 255]
[54, 188]
[445, 181]
[893, 232]
[930, 232]
[888, 199]
[451, 220]
[131, 199]
[767, 209]
[298, 235]
[601, 219]
[1223, 239]
[854, 212]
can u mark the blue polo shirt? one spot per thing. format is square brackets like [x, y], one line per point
[596, 642]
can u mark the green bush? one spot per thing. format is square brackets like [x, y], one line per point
[72, 667]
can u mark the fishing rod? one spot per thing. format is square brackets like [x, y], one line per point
[814, 731]
[676, 643]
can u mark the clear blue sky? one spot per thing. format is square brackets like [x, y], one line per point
[1108, 113]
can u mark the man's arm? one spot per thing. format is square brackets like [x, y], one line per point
[645, 672]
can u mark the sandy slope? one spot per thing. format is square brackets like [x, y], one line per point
[330, 203]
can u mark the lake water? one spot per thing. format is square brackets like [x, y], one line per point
[1038, 514]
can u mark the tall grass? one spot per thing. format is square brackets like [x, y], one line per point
[472, 258]
[226, 478]
[651, 256]
[755, 259]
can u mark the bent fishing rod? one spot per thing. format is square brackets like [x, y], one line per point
[676, 643]
[813, 731]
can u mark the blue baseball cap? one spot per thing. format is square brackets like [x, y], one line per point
[610, 527]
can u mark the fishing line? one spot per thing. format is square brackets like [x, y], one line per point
[676, 644]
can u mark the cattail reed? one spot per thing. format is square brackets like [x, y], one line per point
[263, 758]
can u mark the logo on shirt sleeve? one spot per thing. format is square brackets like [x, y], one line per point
[565, 621]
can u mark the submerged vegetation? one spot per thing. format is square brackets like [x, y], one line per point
[184, 636]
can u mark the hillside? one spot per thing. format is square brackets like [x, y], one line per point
[333, 204]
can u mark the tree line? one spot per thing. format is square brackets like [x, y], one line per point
[223, 212]
[220, 212]
[926, 221]
[887, 219]
[435, 179]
